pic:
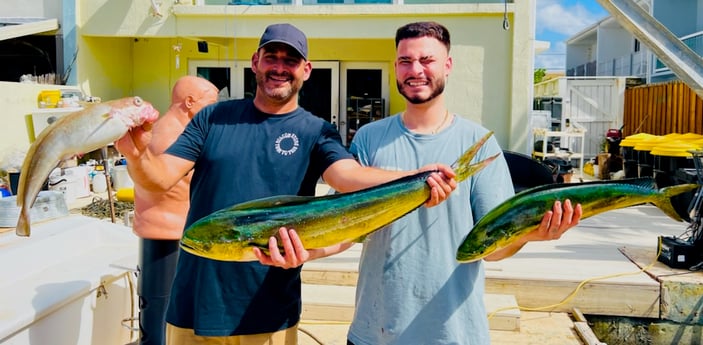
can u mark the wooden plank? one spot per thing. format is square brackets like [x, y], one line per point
[646, 257]
[586, 333]
[686, 113]
[503, 312]
[328, 302]
[652, 95]
[699, 113]
[654, 103]
[598, 297]
[329, 277]
[583, 329]
[695, 122]
[577, 315]
[663, 124]
[536, 328]
[539, 328]
[336, 303]
[678, 91]
[668, 109]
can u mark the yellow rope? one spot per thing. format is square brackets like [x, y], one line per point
[578, 288]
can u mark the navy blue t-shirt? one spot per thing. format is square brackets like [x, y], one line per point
[242, 154]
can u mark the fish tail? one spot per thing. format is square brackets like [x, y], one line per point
[22, 228]
[462, 166]
[663, 201]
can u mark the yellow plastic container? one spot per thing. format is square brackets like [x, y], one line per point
[648, 144]
[674, 148]
[125, 194]
[632, 140]
[48, 98]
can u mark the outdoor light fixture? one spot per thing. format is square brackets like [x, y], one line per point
[202, 46]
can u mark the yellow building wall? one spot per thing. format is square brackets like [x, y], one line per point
[104, 67]
[124, 50]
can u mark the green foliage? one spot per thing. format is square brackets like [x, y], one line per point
[539, 75]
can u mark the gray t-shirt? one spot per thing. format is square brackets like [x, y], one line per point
[411, 289]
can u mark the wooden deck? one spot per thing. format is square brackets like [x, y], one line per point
[597, 267]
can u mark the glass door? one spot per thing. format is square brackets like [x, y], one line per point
[364, 96]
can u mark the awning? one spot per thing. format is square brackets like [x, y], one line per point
[18, 27]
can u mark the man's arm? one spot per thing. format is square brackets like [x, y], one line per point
[554, 224]
[152, 171]
[347, 175]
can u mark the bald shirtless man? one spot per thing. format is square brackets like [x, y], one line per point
[159, 218]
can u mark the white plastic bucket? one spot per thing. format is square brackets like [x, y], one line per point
[120, 177]
[73, 183]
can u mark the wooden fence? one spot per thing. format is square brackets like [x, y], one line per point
[661, 109]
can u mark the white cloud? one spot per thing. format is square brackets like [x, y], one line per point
[564, 20]
[554, 62]
[557, 21]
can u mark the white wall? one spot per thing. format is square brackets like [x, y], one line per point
[31, 8]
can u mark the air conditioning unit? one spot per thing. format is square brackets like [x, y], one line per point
[42, 118]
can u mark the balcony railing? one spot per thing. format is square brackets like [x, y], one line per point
[693, 41]
[586, 70]
[631, 65]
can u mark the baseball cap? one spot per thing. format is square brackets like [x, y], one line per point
[288, 34]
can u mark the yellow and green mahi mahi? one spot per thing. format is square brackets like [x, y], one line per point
[229, 234]
[523, 212]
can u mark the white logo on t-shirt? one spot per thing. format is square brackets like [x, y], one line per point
[287, 144]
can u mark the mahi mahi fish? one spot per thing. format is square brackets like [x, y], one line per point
[76, 133]
[523, 212]
[229, 234]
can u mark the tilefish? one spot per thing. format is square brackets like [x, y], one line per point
[82, 131]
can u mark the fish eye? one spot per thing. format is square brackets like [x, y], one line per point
[138, 101]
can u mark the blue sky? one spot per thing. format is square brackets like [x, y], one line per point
[558, 20]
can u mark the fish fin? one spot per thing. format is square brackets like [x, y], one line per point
[463, 167]
[664, 201]
[645, 182]
[272, 201]
[361, 239]
[22, 228]
[265, 248]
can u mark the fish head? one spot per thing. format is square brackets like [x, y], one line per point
[133, 111]
[477, 245]
[216, 242]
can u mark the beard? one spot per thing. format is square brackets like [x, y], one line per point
[282, 93]
[437, 89]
